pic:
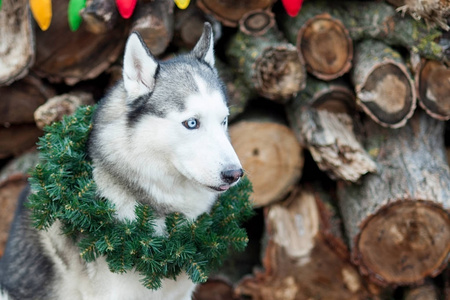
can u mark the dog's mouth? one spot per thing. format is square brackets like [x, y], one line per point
[220, 188]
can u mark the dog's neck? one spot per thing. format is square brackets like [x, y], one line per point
[165, 196]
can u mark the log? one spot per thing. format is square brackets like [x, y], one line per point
[13, 178]
[9, 193]
[70, 57]
[17, 50]
[322, 118]
[154, 21]
[214, 289]
[20, 99]
[427, 291]
[324, 44]
[229, 12]
[374, 20]
[397, 220]
[17, 139]
[57, 107]
[302, 260]
[384, 88]
[434, 12]
[271, 157]
[269, 65]
[257, 22]
[100, 16]
[189, 26]
[433, 88]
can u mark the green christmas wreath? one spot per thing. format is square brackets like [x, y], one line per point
[63, 189]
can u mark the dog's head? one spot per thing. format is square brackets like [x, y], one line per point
[177, 113]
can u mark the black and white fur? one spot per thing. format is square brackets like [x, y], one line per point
[159, 137]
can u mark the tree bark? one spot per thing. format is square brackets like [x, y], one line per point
[229, 12]
[324, 44]
[17, 49]
[269, 65]
[384, 88]
[433, 88]
[375, 20]
[271, 157]
[20, 99]
[70, 57]
[299, 247]
[154, 21]
[397, 220]
[434, 12]
[322, 118]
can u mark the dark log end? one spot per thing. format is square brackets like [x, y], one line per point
[387, 95]
[214, 288]
[404, 243]
[335, 100]
[81, 55]
[433, 85]
[100, 16]
[229, 12]
[279, 73]
[326, 47]
[257, 22]
[154, 22]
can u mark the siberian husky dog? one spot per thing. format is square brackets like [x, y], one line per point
[159, 137]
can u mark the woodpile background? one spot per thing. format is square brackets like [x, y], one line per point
[339, 115]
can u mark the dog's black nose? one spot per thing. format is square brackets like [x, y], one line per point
[230, 176]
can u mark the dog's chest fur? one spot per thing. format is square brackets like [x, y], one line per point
[79, 280]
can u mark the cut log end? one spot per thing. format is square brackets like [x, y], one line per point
[100, 16]
[335, 100]
[156, 38]
[387, 95]
[404, 243]
[280, 74]
[326, 47]
[257, 22]
[433, 87]
[270, 155]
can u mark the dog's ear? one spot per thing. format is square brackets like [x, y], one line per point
[139, 67]
[204, 49]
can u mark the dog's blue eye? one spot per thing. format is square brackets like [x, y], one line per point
[225, 121]
[191, 123]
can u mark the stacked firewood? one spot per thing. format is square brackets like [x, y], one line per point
[338, 116]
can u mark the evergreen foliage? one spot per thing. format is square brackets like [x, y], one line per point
[64, 189]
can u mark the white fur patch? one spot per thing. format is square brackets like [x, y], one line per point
[4, 295]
